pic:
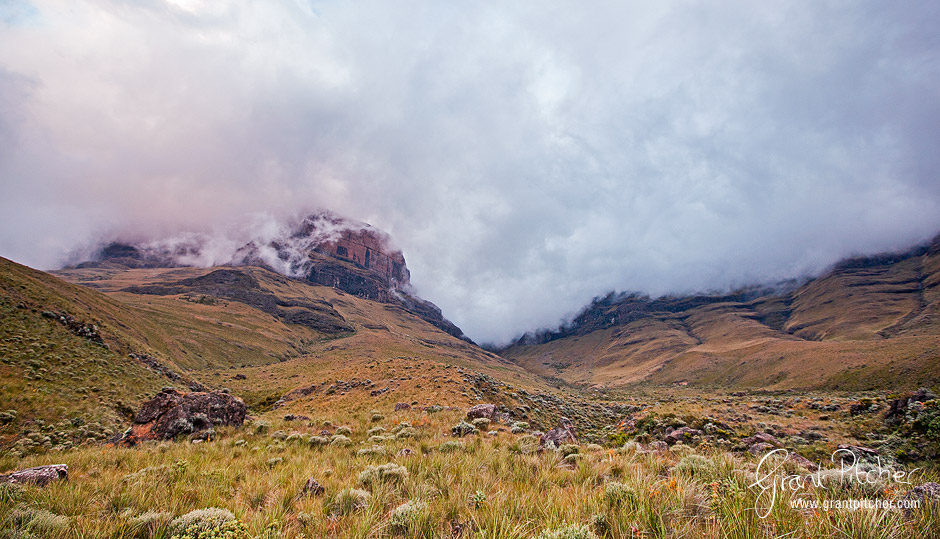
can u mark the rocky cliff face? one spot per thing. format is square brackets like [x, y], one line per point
[321, 248]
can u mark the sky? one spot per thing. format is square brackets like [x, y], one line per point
[526, 156]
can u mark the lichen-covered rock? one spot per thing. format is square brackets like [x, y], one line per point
[487, 411]
[564, 433]
[171, 413]
[39, 475]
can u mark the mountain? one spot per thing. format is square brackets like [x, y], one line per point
[869, 322]
[321, 248]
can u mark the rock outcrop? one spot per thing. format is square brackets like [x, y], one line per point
[171, 413]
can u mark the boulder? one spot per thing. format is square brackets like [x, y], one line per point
[659, 446]
[759, 448]
[682, 434]
[402, 406]
[311, 488]
[171, 413]
[762, 438]
[39, 475]
[564, 433]
[487, 411]
[803, 461]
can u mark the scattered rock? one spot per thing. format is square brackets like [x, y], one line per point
[759, 448]
[659, 445]
[89, 332]
[39, 475]
[402, 406]
[803, 461]
[682, 434]
[293, 417]
[898, 407]
[171, 413]
[861, 453]
[311, 488]
[564, 433]
[762, 437]
[155, 365]
[486, 411]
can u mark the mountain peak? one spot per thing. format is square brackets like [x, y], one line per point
[321, 247]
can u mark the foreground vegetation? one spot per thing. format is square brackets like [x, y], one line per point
[250, 482]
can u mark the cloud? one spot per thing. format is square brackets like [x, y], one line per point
[525, 156]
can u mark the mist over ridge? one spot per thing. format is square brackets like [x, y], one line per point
[524, 158]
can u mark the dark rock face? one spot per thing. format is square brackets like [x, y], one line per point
[564, 433]
[40, 475]
[171, 413]
[487, 411]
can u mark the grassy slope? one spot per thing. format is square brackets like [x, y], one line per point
[50, 374]
[227, 344]
[872, 326]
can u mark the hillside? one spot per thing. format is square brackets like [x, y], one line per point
[870, 322]
[248, 329]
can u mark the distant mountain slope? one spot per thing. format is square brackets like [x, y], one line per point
[869, 322]
[320, 248]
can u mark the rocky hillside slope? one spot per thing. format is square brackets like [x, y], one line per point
[869, 322]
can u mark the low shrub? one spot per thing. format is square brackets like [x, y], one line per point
[568, 531]
[408, 517]
[391, 472]
[348, 501]
[374, 451]
[211, 522]
[339, 440]
[616, 494]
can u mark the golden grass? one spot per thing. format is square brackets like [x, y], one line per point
[489, 489]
